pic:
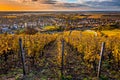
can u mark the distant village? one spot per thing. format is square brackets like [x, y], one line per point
[12, 22]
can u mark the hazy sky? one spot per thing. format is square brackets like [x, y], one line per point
[59, 5]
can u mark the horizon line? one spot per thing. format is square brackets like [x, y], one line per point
[58, 11]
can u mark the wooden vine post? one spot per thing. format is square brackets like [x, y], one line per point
[100, 61]
[22, 56]
[62, 58]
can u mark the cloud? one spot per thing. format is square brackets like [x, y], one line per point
[49, 2]
[64, 4]
[104, 4]
[37, 1]
[93, 4]
[69, 5]
[16, 5]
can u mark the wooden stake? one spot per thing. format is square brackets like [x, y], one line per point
[100, 61]
[62, 60]
[22, 56]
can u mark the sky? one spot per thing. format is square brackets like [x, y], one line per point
[59, 5]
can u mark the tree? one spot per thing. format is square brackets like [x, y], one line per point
[31, 31]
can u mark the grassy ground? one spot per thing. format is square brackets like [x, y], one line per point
[47, 28]
[111, 32]
[95, 16]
